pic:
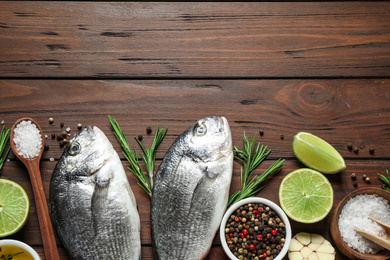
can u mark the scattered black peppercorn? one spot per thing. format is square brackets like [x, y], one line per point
[282, 137]
[46, 147]
[355, 183]
[140, 137]
[148, 130]
[355, 149]
[61, 143]
[59, 138]
[53, 136]
[372, 150]
[261, 133]
[349, 146]
[62, 124]
[353, 176]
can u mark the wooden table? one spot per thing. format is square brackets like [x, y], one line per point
[279, 67]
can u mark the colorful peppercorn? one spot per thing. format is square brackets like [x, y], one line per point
[255, 231]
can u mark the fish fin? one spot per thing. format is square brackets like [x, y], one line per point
[199, 192]
[212, 172]
[99, 204]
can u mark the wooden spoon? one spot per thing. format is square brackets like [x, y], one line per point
[32, 165]
[375, 238]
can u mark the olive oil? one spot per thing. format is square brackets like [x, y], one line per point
[17, 253]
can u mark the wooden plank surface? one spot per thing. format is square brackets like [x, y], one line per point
[276, 67]
[121, 39]
[342, 111]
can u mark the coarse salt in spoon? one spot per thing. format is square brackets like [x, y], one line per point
[27, 143]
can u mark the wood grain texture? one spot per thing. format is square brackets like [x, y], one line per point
[276, 67]
[343, 112]
[176, 40]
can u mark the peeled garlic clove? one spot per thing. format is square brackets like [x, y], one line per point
[322, 256]
[313, 256]
[295, 245]
[306, 251]
[313, 246]
[326, 248]
[315, 238]
[295, 256]
[304, 238]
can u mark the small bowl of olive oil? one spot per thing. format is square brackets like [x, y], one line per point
[16, 250]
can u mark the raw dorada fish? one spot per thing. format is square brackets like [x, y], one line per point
[191, 190]
[92, 205]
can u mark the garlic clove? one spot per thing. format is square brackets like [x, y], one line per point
[315, 238]
[304, 238]
[295, 256]
[322, 256]
[314, 246]
[313, 256]
[295, 245]
[326, 248]
[306, 251]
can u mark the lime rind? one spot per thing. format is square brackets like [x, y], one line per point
[317, 154]
[14, 207]
[306, 195]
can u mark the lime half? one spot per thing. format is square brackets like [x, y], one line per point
[306, 195]
[317, 154]
[14, 207]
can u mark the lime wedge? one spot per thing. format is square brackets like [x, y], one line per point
[306, 195]
[14, 207]
[317, 154]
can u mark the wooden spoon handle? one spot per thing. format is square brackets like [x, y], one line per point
[47, 233]
[374, 238]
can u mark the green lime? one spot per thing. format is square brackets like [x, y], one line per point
[317, 154]
[14, 207]
[306, 195]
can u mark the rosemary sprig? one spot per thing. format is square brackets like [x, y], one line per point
[4, 137]
[150, 154]
[149, 158]
[251, 158]
[386, 180]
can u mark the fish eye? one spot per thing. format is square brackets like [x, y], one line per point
[201, 130]
[74, 148]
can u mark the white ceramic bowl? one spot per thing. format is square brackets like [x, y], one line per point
[270, 204]
[24, 246]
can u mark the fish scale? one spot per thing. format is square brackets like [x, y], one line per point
[191, 189]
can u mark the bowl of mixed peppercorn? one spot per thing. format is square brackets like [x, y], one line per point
[255, 228]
